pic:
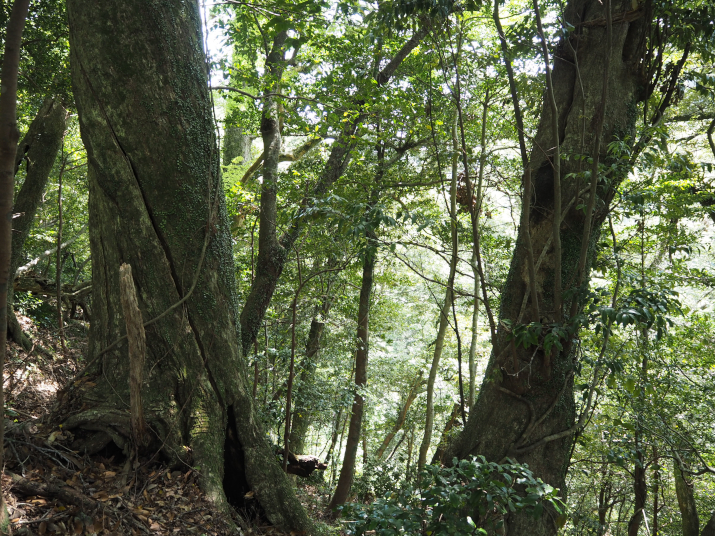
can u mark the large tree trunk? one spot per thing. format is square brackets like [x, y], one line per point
[156, 202]
[525, 408]
[39, 150]
[8, 148]
[709, 529]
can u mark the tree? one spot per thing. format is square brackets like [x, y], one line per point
[594, 85]
[9, 136]
[37, 150]
[156, 203]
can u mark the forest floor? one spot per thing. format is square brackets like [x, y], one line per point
[52, 490]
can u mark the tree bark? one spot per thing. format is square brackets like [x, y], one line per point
[525, 408]
[236, 144]
[156, 202]
[301, 418]
[438, 457]
[709, 529]
[347, 471]
[38, 148]
[402, 416]
[686, 503]
[8, 148]
[640, 494]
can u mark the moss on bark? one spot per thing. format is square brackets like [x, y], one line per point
[156, 201]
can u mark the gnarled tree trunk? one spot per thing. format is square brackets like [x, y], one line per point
[525, 408]
[156, 202]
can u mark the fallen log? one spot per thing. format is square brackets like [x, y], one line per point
[302, 465]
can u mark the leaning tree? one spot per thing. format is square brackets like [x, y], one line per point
[609, 62]
[156, 203]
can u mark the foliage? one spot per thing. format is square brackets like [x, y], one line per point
[462, 500]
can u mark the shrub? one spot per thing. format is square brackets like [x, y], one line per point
[461, 500]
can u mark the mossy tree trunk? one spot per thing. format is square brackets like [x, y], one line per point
[155, 202]
[236, 143]
[525, 408]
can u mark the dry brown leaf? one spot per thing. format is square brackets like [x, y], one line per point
[109, 474]
[155, 526]
[42, 528]
[101, 496]
[78, 526]
[249, 495]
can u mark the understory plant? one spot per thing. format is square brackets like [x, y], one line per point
[469, 498]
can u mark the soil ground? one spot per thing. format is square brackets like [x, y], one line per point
[52, 490]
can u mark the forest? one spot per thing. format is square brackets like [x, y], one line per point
[341, 267]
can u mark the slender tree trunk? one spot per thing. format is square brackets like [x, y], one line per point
[9, 136]
[58, 258]
[640, 493]
[335, 434]
[475, 212]
[410, 447]
[347, 471]
[306, 380]
[656, 490]
[156, 202]
[525, 408]
[438, 457]
[401, 417]
[445, 311]
[604, 506]
[264, 284]
[38, 149]
[686, 503]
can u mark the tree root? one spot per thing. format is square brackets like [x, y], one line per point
[55, 489]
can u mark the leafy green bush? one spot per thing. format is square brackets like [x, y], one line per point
[460, 500]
